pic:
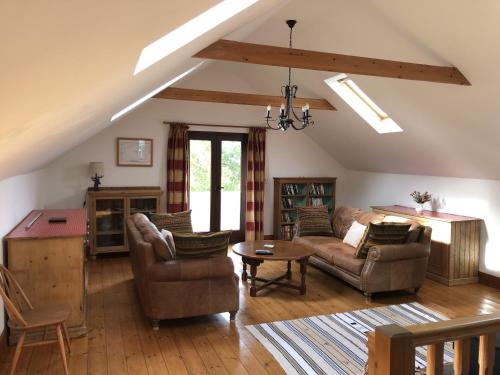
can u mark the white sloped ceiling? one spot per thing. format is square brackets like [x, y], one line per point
[449, 130]
[67, 68]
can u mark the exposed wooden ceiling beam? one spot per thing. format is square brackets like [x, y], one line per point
[229, 50]
[238, 98]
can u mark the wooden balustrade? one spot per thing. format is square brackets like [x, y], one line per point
[391, 348]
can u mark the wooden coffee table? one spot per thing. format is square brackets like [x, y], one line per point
[282, 251]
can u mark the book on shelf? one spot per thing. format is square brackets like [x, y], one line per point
[287, 203]
[290, 189]
[317, 202]
[317, 189]
[287, 232]
[286, 217]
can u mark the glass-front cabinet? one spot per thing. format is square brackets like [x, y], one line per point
[108, 209]
[109, 223]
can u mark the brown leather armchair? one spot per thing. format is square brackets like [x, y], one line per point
[178, 288]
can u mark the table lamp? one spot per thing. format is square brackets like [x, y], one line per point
[96, 169]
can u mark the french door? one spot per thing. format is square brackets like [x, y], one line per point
[217, 171]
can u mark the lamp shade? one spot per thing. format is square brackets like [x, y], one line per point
[96, 168]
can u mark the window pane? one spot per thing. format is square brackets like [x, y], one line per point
[199, 181]
[231, 183]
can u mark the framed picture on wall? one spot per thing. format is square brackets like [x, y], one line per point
[134, 152]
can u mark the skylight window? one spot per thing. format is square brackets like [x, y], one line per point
[189, 31]
[362, 104]
[154, 92]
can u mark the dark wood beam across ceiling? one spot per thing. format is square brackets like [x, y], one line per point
[229, 50]
[177, 93]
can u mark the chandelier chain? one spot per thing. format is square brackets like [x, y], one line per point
[286, 112]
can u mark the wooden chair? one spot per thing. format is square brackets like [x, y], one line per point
[23, 317]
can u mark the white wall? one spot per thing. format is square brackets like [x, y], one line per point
[469, 197]
[18, 196]
[289, 154]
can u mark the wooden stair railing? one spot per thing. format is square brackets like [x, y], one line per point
[391, 348]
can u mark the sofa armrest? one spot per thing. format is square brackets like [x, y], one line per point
[391, 253]
[191, 269]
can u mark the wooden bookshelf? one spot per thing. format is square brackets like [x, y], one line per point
[293, 192]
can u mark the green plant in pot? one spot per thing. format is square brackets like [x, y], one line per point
[421, 199]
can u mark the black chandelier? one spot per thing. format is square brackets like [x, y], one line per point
[285, 119]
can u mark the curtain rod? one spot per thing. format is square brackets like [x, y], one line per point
[214, 125]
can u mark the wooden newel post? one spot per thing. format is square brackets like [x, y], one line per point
[391, 351]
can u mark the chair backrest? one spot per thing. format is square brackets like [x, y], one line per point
[13, 296]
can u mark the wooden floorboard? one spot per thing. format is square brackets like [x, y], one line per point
[121, 341]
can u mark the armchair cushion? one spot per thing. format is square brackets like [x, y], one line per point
[179, 222]
[151, 234]
[192, 245]
[191, 269]
[382, 233]
[314, 221]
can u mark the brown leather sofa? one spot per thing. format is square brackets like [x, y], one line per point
[178, 288]
[386, 267]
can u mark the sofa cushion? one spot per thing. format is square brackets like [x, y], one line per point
[313, 221]
[355, 234]
[196, 245]
[414, 234]
[191, 269]
[366, 218]
[179, 222]
[334, 251]
[150, 234]
[345, 257]
[343, 217]
[415, 230]
[382, 234]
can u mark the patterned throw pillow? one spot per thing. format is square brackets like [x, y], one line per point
[198, 245]
[179, 222]
[314, 221]
[382, 234]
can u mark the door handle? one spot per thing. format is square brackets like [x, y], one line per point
[219, 188]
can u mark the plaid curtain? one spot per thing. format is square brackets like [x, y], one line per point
[256, 155]
[178, 168]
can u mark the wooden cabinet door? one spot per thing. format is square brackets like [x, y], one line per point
[438, 259]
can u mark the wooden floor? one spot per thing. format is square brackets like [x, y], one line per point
[121, 341]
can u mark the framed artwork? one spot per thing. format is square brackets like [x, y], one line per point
[134, 152]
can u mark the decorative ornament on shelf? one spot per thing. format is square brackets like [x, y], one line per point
[285, 119]
[96, 170]
[421, 199]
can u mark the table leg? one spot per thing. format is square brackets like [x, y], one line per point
[244, 274]
[253, 273]
[289, 270]
[303, 269]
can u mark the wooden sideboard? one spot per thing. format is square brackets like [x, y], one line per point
[454, 258]
[108, 209]
[48, 260]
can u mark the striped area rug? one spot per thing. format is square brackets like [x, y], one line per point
[337, 344]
